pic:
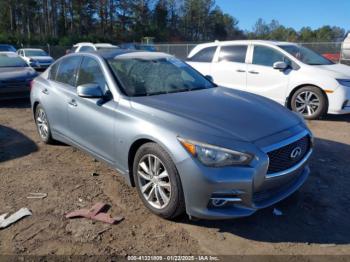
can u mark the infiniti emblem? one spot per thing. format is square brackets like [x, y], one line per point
[296, 152]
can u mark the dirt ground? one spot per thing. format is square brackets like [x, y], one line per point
[315, 220]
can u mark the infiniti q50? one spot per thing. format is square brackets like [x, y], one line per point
[186, 144]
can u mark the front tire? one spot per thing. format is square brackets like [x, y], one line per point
[43, 126]
[158, 182]
[309, 101]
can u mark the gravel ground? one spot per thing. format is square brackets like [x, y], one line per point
[315, 220]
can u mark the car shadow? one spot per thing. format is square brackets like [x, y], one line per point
[14, 144]
[317, 213]
[15, 103]
[337, 118]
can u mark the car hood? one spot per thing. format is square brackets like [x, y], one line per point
[335, 70]
[41, 58]
[7, 73]
[220, 111]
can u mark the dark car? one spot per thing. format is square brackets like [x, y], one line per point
[7, 48]
[134, 46]
[15, 76]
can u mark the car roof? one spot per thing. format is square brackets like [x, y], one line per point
[31, 49]
[128, 53]
[270, 42]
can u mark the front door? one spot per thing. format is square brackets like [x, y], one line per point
[91, 120]
[263, 79]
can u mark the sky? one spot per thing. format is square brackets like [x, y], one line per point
[290, 13]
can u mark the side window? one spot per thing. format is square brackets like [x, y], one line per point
[267, 56]
[91, 73]
[53, 71]
[67, 70]
[204, 55]
[235, 53]
[86, 49]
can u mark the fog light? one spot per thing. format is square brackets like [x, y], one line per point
[218, 202]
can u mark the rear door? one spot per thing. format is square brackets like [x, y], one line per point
[55, 98]
[262, 78]
[91, 120]
[230, 69]
[202, 60]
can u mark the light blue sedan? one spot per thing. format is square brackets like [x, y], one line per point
[185, 143]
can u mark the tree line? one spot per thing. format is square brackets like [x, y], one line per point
[64, 22]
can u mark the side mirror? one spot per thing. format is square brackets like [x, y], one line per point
[210, 78]
[280, 65]
[89, 91]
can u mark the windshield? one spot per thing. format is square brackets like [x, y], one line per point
[11, 60]
[306, 55]
[144, 77]
[35, 53]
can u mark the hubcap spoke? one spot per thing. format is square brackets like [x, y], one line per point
[163, 195]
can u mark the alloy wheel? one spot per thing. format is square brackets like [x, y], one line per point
[154, 181]
[307, 103]
[41, 121]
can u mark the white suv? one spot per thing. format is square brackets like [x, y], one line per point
[288, 73]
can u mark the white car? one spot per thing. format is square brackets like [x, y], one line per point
[36, 58]
[88, 47]
[288, 73]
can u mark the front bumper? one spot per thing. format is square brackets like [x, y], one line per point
[339, 101]
[246, 189]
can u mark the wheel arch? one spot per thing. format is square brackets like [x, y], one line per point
[35, 105]
[295, 89]
[131, 155]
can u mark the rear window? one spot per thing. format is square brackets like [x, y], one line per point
[236, 53]
[67, 70]
[205, 55]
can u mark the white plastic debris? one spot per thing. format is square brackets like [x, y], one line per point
[277, 212]
[37, 195]
[5, 222]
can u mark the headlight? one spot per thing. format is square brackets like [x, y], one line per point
[215, 156]
[344, 82]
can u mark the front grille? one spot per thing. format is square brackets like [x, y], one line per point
[281, 158]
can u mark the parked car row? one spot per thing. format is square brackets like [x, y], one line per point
[193, 137]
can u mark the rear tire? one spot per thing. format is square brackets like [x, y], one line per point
[158, 182]
[43, 126]
[309, 101]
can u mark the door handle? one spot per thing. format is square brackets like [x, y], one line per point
[240, 71]
[73, 103]
[253, 72]
[45, 91]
